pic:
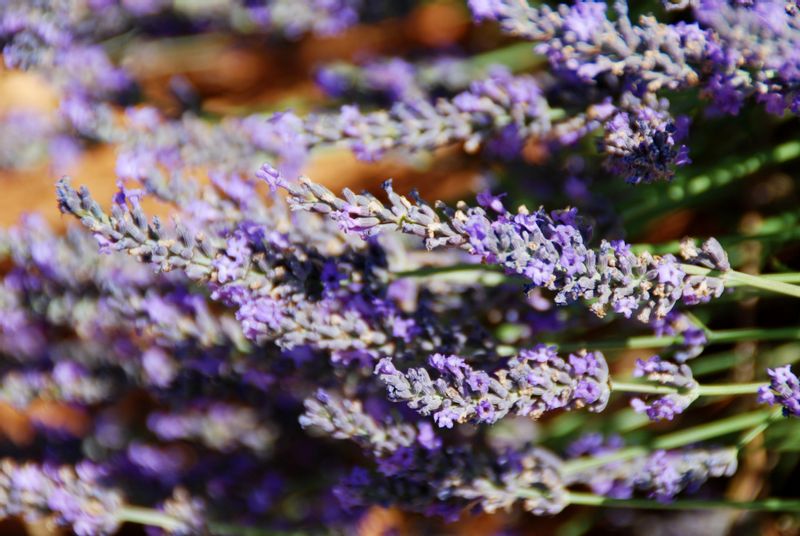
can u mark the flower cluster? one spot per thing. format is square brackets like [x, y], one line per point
[534, 382]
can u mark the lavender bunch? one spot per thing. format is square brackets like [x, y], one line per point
[548, 249]
[155, 370]
[295, 289]
[535, 381]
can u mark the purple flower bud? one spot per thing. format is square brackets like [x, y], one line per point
[784, 389]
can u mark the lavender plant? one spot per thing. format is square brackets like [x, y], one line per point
[190, 357]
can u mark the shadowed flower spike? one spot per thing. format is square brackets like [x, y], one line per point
[63, 494]
[341, 418]
[535, 381]
[643, 142]
[661, 475]
[548, 249]
[665, 407]
[783, 389]
[438, 481]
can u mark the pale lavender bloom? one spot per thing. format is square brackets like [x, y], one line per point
[397, 79]
[218, 425]
[159, 367]
[693, 338]
[439, 481]
[662, 474]
[665, 407]
[67, 495]
[783, 389]
[534, 382]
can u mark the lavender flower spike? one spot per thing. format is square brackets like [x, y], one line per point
[548, 249]
[665, 407]
[662, 474]
[346, 419]
[64, 494]
[784, 389]
[536, 381]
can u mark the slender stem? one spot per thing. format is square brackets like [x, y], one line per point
[740, 278]
[230, 529]
[730, 389]
[148, 516]
[714, 337]
[644, 388]
[781, 228]
[788, 277]
[517, 57]
[703, 390]
[691, 189]
[435, 270]
[670, 441]
[765, 505]
[156, 518]
[712, 429]
[759, 428]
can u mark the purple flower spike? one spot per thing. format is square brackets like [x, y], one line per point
[535, 382]
[548, 248]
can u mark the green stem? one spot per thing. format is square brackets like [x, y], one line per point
[644, 388]
[759, 428]
[156, 518]
[764, 505]
[730, 389]
[683, 189]
[714, 337]
[743, 279]
[782, 228]
[670, 441]
[703, 390]
[426, 271]
[148, 516]
[517, 57]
